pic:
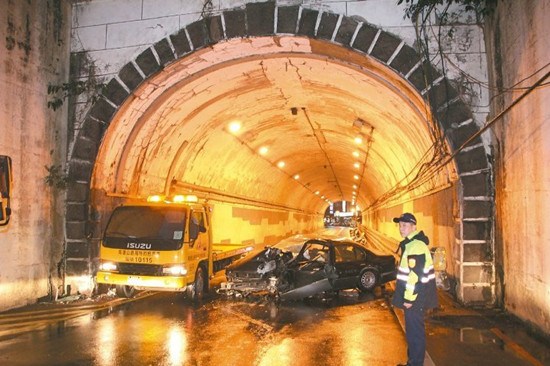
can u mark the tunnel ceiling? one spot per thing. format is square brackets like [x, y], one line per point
[340, 121]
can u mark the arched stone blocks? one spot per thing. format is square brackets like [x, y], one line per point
[473, 227]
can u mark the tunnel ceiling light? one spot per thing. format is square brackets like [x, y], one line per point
[317, 192]
[296, 176]
[234, 127]
[281, 164]
[356, 177]
[354, 193]
[358, 140]
[356, 154]
[356, 165]
[355, 186]
[263, 150]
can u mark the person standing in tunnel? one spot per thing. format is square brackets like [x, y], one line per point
[415, 289]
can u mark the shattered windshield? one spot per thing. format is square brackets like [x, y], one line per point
[146, 227]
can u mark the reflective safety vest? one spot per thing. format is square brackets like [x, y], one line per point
[415, 275]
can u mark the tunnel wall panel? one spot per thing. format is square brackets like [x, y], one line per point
[364, 38]
[472, 160]
[235, 23]
[478, 295]
[477, 252]
[260, 18]
[102, 110]
[130, 76]
[115, 92]
[327, 26]
[423, 76]
[164, 52]
[181, 44]
[385, 46]
[476, 230]
[345, 32]
[405, 60]
[287, 18]
[476, 184]
[307, 23]
[147, 62]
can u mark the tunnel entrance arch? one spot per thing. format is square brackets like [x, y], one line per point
[313, 38]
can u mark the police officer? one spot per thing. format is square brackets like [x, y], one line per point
[415, 289]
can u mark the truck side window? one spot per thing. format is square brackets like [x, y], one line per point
[196, 225]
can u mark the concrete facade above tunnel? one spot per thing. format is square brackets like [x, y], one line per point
[268, 32]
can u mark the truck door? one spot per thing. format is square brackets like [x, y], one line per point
[198, 238]
[5, 189]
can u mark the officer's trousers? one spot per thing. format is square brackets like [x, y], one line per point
[416, 336]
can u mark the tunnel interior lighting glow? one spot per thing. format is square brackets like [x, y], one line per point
[234, 126]
[317, 192]
[356, 165]
[263, 150]
[281, 164]
[296, 176]
[358, 140]
[356, 177]
[155, 198]
[355, 154]
[355, 186]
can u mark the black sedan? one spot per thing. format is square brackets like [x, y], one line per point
[321, 266]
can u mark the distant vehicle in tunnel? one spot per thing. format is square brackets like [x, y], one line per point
[163, 244]
[320, 266]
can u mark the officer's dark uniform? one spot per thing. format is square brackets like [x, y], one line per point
[415, 285]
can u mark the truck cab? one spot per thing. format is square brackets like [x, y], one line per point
[163, 244]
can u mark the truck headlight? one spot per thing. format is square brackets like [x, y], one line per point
[177, 270]
[107, 266]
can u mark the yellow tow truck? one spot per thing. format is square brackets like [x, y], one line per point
[162, 244]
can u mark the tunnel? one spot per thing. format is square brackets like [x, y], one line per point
[272, 118]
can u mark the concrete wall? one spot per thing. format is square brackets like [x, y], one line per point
[519, 46]
[33, 53]
[436, 215]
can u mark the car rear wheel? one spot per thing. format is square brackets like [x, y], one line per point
[125, 291]
[367, 280]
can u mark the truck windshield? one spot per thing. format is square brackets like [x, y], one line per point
[146, 227]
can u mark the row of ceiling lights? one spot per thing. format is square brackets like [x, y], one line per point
[235, 126]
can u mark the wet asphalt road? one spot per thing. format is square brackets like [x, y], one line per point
[165, 329]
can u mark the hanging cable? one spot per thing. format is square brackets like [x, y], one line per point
[421, 178]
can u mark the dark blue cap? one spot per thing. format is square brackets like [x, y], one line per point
[406, 217]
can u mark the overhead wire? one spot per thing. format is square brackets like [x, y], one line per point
[440, 155]
[419, 179]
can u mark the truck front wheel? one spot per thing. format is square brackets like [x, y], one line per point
[197, 290]
[125, 291]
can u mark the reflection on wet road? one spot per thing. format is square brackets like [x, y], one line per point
[167, 330]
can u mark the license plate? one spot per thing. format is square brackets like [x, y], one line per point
[134, 280]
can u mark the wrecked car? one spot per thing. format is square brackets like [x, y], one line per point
[320, 266]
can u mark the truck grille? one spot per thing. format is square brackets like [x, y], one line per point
[139, 269]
